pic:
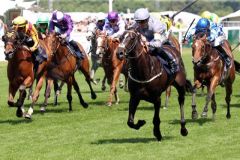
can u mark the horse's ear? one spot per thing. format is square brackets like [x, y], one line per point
[3, 38]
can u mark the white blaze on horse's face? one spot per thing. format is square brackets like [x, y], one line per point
[198, 50]
[100, 46]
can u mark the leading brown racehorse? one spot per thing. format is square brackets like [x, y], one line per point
[148, 79]
[209, 70]
[20, 68]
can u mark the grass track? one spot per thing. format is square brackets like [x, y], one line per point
[101, 132]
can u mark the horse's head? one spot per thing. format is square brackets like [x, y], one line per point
[91, 31]
[102, 44]
[128, 43]
[53, 41]
[12, 41]
[200, 49]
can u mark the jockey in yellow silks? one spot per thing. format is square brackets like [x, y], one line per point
[20, 24]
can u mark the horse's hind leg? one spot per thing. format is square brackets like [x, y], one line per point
[213, 106]
[88, 80]
[156, 120]
[116, 96]
[49, 84]
[228, 98]
[181, 99]
[133, 103]
[126, 83]
[76, 87]
[104, 83]
[168, 93]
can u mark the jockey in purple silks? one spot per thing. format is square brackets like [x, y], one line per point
[115, 25]
[64, 25]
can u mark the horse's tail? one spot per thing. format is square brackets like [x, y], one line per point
[237, 66]
[188, 86]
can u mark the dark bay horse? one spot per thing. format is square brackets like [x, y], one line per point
[112, 65]
[20, 68]
[62, 66]
[148, 80]
[209, 70]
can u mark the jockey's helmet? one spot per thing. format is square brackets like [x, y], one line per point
[141, 14]
[166, 20]
[203, 24]
[59, 16]
[214, 18]
[206, 14]
[112, 16]
[101, 16]
[42, 20]
[19, 22]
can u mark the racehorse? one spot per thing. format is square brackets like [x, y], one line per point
[148, 79]
[112, 65]
[92, 32]
[209, 70]
[62, 66]
[20, 68]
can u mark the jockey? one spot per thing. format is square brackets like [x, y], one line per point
[20, 24]
[64, 24]
[155, 33]
[115, 25]
[215, 36]
[42, 26]
[100, 21]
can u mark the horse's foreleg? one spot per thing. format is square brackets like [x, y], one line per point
[194, 106]
[49, 84]
[121, 84]
[30, 91]
[156, 120]
[69, 93]
[76, 87]
[12, 89]
[168, 93]
[228, 89]
[126, 83]
[22, 90]
[211, 91]
[113, 90]
[35, 97]
[133, 103]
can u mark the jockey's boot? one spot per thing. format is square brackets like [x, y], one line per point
[224, 56]
[76, 49]
[171, 61]
[40, 55]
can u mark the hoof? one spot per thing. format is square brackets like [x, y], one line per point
[228, 116]
[194, 115]
[19, 112]
[158, 137]
[140, 123]
[42, 109]
[121, 85]
[85, 105]
[184, 132]
[28, 116]
[109, 104]
[157, 134]
[117, 103]
[204, 115]
[103, 88]
[93, 96]
[11, 104]
[164, 107]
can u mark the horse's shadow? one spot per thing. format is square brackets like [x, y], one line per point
[128, 140]
[15, 121]
[200, 121]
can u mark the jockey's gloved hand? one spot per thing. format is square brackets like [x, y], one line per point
[32, 49]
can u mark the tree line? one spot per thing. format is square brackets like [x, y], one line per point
[221, 8]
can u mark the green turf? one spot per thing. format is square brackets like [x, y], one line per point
[101, 132]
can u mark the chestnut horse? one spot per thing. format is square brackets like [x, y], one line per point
[62, 66]
[148, 79]
[112, 65]
[20, 68]
[209, 69]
